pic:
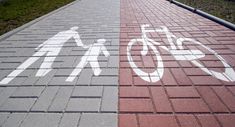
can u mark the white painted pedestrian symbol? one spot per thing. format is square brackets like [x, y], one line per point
[50, 49]
[179, 53]
[91, 57]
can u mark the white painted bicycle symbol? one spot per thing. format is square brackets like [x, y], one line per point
[177, 50]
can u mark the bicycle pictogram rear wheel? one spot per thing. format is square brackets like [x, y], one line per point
[227, 75]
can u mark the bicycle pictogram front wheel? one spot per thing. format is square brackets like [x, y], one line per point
[154, 76]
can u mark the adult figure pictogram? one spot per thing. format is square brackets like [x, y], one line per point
[50, 49]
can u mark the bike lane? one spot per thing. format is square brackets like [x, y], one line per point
[62, 71]
[185, 95]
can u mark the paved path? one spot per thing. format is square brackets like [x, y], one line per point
[50, 101]
[185, 96]
[180, 94]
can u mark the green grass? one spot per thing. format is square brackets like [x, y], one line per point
[224, 9]
[14, 13]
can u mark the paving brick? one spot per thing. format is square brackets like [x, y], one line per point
[109, 72]
[227, 120]
[14, 120]
[148, 61]
[127, 64]
[185, 64]
[189, 105]
[18, 104]
[8, 65]
[125, 77]
[168, 78]
[181, 92]
[105, 80]
[127, 120]
[113, 61]
[46, 79]
[194, 72]
[41, 120]
[3, 73]
[5, 93]
[188, 121]
[70, 120]
[204, 80]
[226, 97]
[153, 120]
[140, 82]
[134, 92]
[29, 92]
[30, 81]
[110, 99]
[215, 104]
[69, 62]
[44, 101]
[85, 77]
[61, 99]
[61, 72]
[87, 91]
[232, 89]
[135, 105]
[61, 81]
[208, 121]
[17, 81]
[84, 105]
[3, 117]
[94, 119]
[180, 76]
[160, 100]
[171, 64]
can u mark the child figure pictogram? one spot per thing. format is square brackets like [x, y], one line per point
[91, 57]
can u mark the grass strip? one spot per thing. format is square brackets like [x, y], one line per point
[14, 13]
[224, 9]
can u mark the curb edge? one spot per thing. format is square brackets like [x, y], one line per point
[204, 14]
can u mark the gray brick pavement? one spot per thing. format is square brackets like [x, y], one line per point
[50, 101]
[14, 120]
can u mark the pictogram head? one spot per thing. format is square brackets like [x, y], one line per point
[74, 28]
[101, 41]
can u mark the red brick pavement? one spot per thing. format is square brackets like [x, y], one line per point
[185, 96]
